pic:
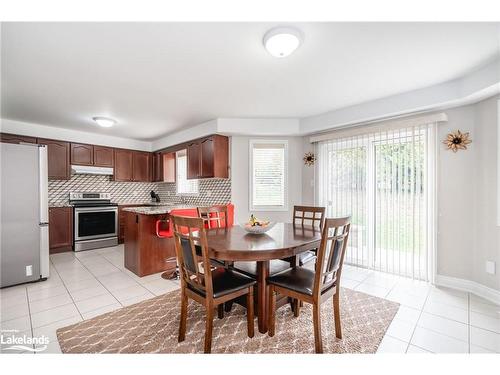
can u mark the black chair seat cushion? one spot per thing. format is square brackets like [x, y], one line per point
[298, 279]
[250, 268]
[226, 281]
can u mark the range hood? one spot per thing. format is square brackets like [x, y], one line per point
[83, 169]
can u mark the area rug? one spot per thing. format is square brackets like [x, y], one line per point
[151, 326]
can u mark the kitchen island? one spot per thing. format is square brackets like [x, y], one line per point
[145, 252]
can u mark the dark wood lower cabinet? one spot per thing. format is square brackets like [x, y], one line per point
[121, 220]
[145, 252]
[60, 229]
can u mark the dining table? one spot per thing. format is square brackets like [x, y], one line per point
[283, 240]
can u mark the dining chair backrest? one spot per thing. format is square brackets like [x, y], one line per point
[331, 253]
[214, 216]
[191, 240]
[309, 216]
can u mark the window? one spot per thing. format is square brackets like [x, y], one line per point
[268, 175]
[184, 186]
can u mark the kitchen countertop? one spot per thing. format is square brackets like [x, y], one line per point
[150, 204]
[157, 209]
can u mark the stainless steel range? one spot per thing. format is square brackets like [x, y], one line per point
[95, 220]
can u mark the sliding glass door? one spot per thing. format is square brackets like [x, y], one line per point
[384, 180]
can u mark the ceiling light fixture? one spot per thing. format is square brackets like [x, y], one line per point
[105, 122]
[282, 41]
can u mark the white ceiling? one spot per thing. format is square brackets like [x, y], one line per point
[155, 78]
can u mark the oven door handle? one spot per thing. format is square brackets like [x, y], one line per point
[96, 209]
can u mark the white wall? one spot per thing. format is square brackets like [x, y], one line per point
[259, 126]
[468, 235]
[486, 231]
[240, 178]
[455, 198]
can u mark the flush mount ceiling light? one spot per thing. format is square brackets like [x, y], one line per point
[105, 122]
[282, 41]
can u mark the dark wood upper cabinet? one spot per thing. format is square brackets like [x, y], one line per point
[163, 167]
[13, 138]
[141, 166]
[220, 157]
[123, 165]
[208, 158]
[169, 167]
[157, 167]
[60, 229]
[104, 156]
[58, 155]
[82, 154]
[193, 160]
[99, 156]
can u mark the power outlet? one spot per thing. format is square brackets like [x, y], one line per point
[490, 267]
[29, 270]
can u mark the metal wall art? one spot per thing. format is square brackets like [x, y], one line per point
[457, 141]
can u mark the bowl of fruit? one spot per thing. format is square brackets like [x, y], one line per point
[257, 226]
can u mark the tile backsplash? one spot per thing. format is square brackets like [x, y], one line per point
[211, 191]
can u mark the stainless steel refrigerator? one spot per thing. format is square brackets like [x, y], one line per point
[24, 229]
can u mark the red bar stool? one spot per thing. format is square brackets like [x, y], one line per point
[163, 231]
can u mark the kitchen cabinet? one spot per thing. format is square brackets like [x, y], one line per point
[132, 166]
[145, 253]
[208, 158]
[58, 155]
[82, 154]
[98, 156]
[141, 166]
[104, 156]
[60, 229]
[121, 220]
[193, 159]
[157, 167]
[164, 167]
[123, 165]
[169, 167]
[13, 138]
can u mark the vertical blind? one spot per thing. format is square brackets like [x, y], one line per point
[268, 174]
[385, 181]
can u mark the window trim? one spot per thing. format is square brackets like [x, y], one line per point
[251, 206]
[183, 194]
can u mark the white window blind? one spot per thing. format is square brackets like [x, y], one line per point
[184, 186]
[385, 181]
[268, 175]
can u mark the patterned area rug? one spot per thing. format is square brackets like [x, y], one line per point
[151, 326]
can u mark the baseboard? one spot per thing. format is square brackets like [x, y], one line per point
[480, 290]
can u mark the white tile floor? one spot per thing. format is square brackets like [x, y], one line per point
[87, 284]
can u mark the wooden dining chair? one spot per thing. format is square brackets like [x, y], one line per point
[214, 216]
[203, 283]
[312, 217]
[315, 287]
